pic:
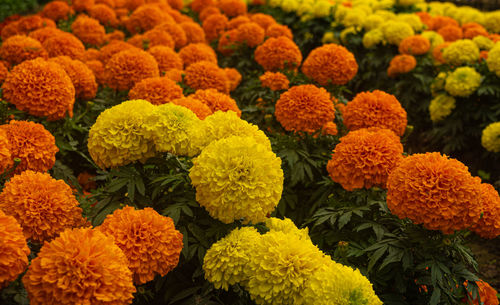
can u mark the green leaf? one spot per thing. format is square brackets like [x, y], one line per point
[436, 296]
[344, 219]
[184, 294]
[376, 256]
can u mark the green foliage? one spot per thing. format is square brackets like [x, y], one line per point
[13, 7]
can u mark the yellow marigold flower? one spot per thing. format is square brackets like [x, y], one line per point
[438, 82]
[81, 266]
[492, 21]
[352, 30]
[408, 2]
[287, 226]
[322, 8]
[462, 82]
[434, 38]
[373, 38]
[237, 178]
[13, 248]
[413, 20]
[463, 51]
[493, 60]
[483, 43]
[372, 22]
[227, 259]
[441, 107]
[387, 15]
[329, 37]
[396, 31]
[355, 17]
[118, 137]
[149, 240]
[490, 138]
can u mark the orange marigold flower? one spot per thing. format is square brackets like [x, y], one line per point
[330, 128]
[88, 30]
[375, 109]
[228, 42]
[42, 205]
[86, 182]
[146, 17]
[330, 63]
[44, 33]
[166, 58]
[489, 224]
[442, 21]
[6, 159]
[30, 142]
[196, 52]
[56, 10]
[251, 34]
[110, 3]
[82, 5]
[115, 35]
[115, 46]
[131, 5]
[199, 5]
[365, 158]
[30, 23]
[81, 76]
[105, 14]
[487, 294]
[206, 75]
[91, 54]
[18, 48]
[175, 74]
[149, 240]
[81, 266]
[426, 19]
[196, 106]
[10, 30]
[264, 20]
[176, 32]
[208, 11]
[128, 67]
[274, 81]
[277, 30]
[14, 250]
[237, 21]
[401, 64]
[451, 33]
[176, 4]
[435, 191]
[217, 101]
[415, 45]
[194, 32]
[151, 38]
[475, 31]
[304, 108]
[483, 55]
[234, 78]
[214, 25]
[64, 44]
[40, 88]
[232, 8]
[437, 52]
[98, 69]
[278, 53]
[156, 90]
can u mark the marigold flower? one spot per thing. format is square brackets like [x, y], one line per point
[44, 33]
[434, 38]
[81, 266]
[30, 23]
[277, 30]
[395, 31]
[401, 64]
[81, 76]
[375, 109]
[14, 250]
[6, 159]
[364, 158]
[264, 20]
[206, 75]
[208, 11]
[175, 31]
[441, 107]
[251, 34]
[156, 90]
[176, 4]
[149, 240]
[112, 48]
[128, 67]
[232, 8]
[451, 33]
[10, 30]
[199, 5]
[175, 74]
[216, 100]
[18, 48]
[237, 178]
[115, 35]
[461, 52]
[196, 106]
[196, 52]
[154, 37]
[437, 53]
[194, 32]
[414, 45]
[274, 80]
[490, 138]
[104, 14]
[462, 82]
[488, 225]
[146, 17]
[91, 54]
[330, 63]
[82, 5]
[287, 226]
[483, 42]
[64, 44]
[214, 25]
[373, 38]
[235, 22]
[98, 69]
[493, 60]
[88, 30]
[40, 88]
[228, 42]
[56, 10]
[43, 206]
[278, 53]
[442, 21]
[234, 78]
[435, 191]
[492, 22]
[487, 294]
[329, 128]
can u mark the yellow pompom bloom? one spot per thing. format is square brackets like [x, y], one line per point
[492, 21]
[466, 14]
[434, 38]
[340, 12]
[462, 82]
[289, 5]
[463, 51]
[118, 136]
[321, 8]
[483, 43]
[226, 260]
[387, 15]
[441, 107]
[413, 20]
[438, 82]
[329, 37]
[372, 22]
[396, 31]
[373, 38]
[237, 178]
[305, 8]
[490, 138]
[287, 226]
[274, 3]
[493, 60]
[346, 32]
[354, 17]
[408, 2]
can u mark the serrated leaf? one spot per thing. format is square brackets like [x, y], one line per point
[436, 296]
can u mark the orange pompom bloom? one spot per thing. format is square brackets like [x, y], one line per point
[304, 108]
[278, 53]
[196, 52]
[232, 8]
[483, 55]
[6, 159]
[401, 64]
[435, 191]
[265, 21]
[489, 224]
[88, 30]
[199, 5]
[208, 11]
[451, 33]
[234, 78]
[214, 25]
[217, 101]
[175, 75]
[274, 81]
[104, 14]
[251, 34]
[30, 23]
[166, 58]
[42, 205]
[91, 54]
[176, 4]
[487, 294]
[30, 142]
[56, 10]
[228, 42]
[149, 240]
[365, 158]
[206, 75]
[237, 21]
[98, 69]
[426, 19]
[375, 109]
[64, 44]
[44, 33]
[156, 90]
[81, 266]
[3, 72]
[437, 52]
[475, 31]
[18, 48]
[128, 67]
[152, 38]
[40, 88]
[13, 248]
[330, 63]
[112, 48]
[82, 5]
[439, 22]
[115, 35]
[196, 106]
[194, 32]
[81, 76]
[330, 128]
[176, 32]
[414, 45]
[277, 30]
[10, 30]
[146, 17]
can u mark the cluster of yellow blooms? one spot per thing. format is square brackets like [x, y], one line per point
[283, 266]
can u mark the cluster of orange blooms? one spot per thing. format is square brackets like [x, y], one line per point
[408, 47]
